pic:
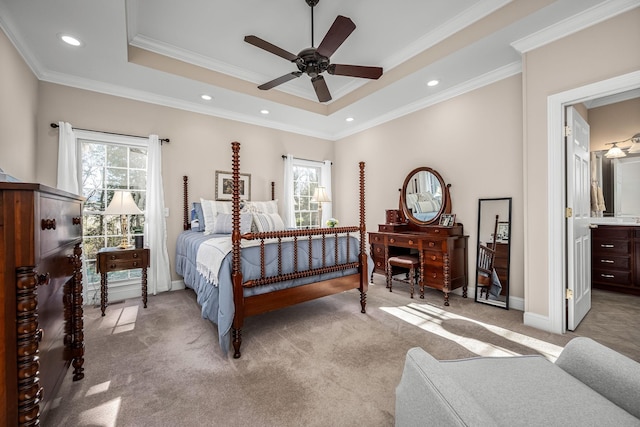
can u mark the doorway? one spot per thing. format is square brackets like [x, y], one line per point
[556, 118]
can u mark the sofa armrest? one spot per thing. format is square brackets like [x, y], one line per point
[427, 395]
[606, 371]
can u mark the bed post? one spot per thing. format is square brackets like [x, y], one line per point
[236, 274]
[186, 224]
[364, 280]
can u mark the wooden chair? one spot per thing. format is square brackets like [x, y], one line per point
[486, 258]
[412, 264]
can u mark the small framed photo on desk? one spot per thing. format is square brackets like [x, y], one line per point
[447, 220]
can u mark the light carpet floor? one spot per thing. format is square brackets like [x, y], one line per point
[321, 363]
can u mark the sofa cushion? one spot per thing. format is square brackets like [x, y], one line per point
[606, 371]
[427, 395]
[530, 390]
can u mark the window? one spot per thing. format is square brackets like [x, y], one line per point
[107, 166]
[306, 177]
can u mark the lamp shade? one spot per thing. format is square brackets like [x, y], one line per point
[320, 195]
[635, 144]
[122, 204]
[614, 152]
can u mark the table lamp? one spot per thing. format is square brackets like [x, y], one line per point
[320, 196]
[122, 204]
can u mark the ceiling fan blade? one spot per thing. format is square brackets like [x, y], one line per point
[337, 34]
[355, 71]
[283, 79]
[321, 89]
[263, 44]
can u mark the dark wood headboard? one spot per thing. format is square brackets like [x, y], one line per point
[186, 214]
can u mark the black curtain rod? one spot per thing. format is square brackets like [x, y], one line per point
[55, 126]
[284, 156]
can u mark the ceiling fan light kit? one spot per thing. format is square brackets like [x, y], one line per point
[315, 61]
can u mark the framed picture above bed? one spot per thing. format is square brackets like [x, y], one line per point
[224, 186]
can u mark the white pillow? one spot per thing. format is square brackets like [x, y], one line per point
[430, 206]
[224, 223]
[210, 212]
[268, 222]
[211, 209]
[270, 206]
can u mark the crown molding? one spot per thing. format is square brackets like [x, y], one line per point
[199, 60]
[31, 61]
[468, 86]
[613, 99]
[575, 23]
[142, 96]
[466, 18]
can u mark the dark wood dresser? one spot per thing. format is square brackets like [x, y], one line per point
[501, 264]
[615, 258]
[40, 300]
[442, 251]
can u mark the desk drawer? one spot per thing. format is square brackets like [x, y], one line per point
[123, 260]
[403, 241]
[376, 238]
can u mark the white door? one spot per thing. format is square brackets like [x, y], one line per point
[578, 231]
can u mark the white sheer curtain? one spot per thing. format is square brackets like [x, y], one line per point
[68, 178]
[155, 229]
[288, 214]
[325, 181]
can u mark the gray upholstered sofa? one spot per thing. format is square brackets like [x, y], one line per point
[589, 385]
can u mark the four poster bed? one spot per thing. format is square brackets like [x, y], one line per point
[258, 266]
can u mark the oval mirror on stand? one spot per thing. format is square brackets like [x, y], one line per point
[424, 197]
[493, 252]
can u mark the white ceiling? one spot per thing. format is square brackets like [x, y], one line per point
[464, 43]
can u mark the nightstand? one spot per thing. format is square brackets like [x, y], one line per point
[117, 259]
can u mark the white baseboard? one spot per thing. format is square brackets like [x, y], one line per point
[122, 291]
[515, 303]
[537, 321]
[177, 285]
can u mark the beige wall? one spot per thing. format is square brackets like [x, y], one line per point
[597, 53]
[199, 145]
[474, 141]
[18, 103]
[615, 122]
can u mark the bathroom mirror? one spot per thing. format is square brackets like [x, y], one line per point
[424, 197]
[493, 251]
[617, 182]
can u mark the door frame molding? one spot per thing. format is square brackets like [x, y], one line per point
[556, 193]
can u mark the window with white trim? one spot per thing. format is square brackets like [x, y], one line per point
[306, 178]
[106, 166]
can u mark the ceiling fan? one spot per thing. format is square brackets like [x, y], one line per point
[314, 61]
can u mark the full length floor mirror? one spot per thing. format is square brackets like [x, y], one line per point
[493, 251]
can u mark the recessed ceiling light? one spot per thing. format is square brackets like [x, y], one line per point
[206, 97]
[349, 119]
[432, 83]
[264, 111]
[70, 40]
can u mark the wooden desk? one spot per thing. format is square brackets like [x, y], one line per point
[442, 251]
[116, 259]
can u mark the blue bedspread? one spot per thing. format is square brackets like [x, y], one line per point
[217, 301]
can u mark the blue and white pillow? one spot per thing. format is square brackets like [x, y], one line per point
[224, 223]
[197, 217]
[268, 222]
